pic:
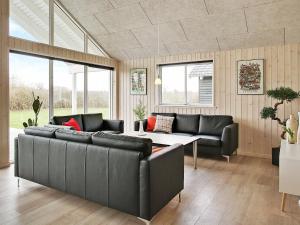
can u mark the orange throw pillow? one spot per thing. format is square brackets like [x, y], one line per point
[72, 123]
[151, 123]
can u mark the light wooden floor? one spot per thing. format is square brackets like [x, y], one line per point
[242, 192]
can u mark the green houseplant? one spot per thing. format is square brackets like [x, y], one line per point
[36, 106]
[140, 113]
[282, 95]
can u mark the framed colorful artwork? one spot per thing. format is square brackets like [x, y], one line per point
[250, 77]
[138, 81]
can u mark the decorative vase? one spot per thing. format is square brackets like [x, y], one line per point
[292, 124]
[298, 133]
[141, 128]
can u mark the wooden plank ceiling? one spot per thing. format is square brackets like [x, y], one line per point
[128, 28]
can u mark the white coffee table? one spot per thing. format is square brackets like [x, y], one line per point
[169, 139]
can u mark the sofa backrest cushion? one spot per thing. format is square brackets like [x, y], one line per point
[214, 124]
[187, 123]
[92, 122]
[75, 136]
[143, 145]
[163, 114]
[59, 120]
[48, 132]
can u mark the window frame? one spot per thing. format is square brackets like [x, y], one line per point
[51, 31]
[186, 104]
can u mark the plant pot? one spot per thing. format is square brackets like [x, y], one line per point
[275, 156]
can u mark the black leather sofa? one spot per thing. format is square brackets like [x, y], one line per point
[116, 171]
[92, 122]
[218, 134]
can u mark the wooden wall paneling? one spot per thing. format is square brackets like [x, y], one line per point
[257, 136]
[280, 77]
[260, 137]
[4, 84]
[227, 83]
[52, 51]
[255, 114]
[288, 75]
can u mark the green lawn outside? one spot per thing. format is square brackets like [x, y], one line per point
[18, 117]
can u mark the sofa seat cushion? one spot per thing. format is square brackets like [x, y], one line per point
[74, 136]
[209, 140]
[183, 134]
[142, 145]
[59, 120]
[187, 123]
[92, 122]
[48, 132]
[214, 124]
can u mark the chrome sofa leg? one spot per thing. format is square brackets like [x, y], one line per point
[18, 182]
[227, 157]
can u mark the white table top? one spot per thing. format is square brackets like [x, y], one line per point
[164, 139]
[289, 151]
[289, 167]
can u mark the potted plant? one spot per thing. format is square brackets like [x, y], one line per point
[290, 135]
[140, 112]
[36, 106]
[282, 95]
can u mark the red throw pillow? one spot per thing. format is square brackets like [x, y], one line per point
[72, 123]
[151, 123]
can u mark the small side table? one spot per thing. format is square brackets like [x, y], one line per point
[289, 167]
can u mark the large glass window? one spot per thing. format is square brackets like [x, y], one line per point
[28, 76]
[66, 33]
[187, 84]
[68, 88]
[30, 20]
[99, 91]
[94, 49]
[173, 84]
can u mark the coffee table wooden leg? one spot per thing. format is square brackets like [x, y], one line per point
[195, 154]
[283, 201]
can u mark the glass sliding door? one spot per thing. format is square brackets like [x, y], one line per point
[99, 91]
[68, 88]
[28, 75]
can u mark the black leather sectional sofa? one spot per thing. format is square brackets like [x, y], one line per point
[218, 134]
[116, 171]
[92, 122]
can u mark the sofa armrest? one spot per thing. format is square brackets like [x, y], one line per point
[161, 179]
[230, 139]
[114, 125]
[137, 124]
